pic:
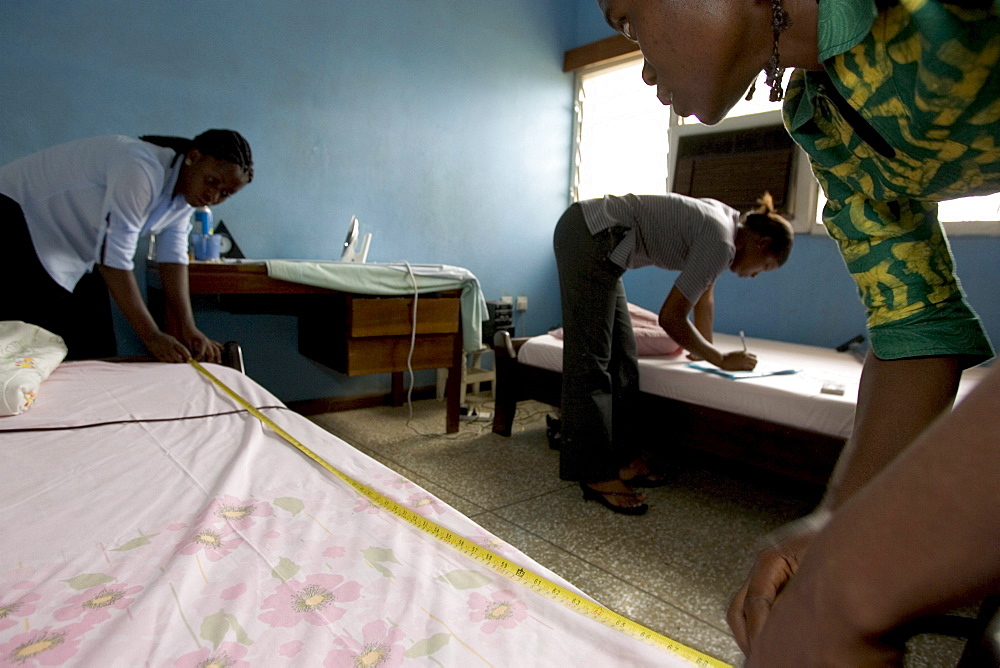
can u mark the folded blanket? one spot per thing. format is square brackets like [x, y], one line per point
[28, 354]
[650, 339]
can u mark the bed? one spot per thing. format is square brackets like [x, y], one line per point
[791, 424]
[147, 520]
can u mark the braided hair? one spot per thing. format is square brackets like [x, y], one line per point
[766, 222]
[226, 145]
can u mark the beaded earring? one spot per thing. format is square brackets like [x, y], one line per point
[774, 71]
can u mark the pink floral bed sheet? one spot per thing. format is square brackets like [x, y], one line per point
[146, 521]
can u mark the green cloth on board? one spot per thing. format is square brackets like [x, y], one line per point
[394, 279]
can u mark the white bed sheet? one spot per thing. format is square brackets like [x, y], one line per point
[795, 400]
[175, 530]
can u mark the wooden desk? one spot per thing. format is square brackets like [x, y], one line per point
[350, 333]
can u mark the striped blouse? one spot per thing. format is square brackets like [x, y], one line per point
[694, 236]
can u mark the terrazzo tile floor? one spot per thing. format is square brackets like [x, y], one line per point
[673, 569]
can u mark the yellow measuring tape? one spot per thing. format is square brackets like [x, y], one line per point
[482, 555]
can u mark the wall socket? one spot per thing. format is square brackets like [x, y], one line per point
[522, 304]
[507, 300]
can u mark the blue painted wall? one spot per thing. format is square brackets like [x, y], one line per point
[444, 125]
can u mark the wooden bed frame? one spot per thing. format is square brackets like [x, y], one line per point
[797, 453]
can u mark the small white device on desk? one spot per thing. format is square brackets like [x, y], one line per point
[351, 252]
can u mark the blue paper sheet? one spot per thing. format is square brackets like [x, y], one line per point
[739, 375]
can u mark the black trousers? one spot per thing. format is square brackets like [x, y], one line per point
[600, 379]
[82, 317]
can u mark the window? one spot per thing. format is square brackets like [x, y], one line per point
[622, 134]
[759, 104]
[962, 215]
[736, 166]
[626, 141]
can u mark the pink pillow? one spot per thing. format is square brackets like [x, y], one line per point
[650, 339]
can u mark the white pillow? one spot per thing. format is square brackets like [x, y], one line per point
[28, 354]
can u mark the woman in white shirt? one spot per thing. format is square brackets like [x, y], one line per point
[86, 202]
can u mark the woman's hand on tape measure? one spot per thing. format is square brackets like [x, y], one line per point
[203, 348]
[166, 348]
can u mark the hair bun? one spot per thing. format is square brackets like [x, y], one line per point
[765, 203]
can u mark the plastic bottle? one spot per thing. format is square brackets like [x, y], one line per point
[203, 220]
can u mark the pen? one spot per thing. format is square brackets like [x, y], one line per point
[743, 340]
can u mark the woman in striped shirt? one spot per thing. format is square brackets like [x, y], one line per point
[595, 242]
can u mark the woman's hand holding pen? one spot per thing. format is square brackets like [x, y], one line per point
[738, 360]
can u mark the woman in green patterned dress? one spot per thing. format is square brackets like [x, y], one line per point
[897, 103]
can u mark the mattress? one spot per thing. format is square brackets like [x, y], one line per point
[795, 400]
[148, 521]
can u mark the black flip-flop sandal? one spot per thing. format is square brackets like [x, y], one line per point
[647, 480]
[591, 494]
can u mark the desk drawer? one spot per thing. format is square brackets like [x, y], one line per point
[380, 354]
[358, 335]
[393, 316]
[388, 354]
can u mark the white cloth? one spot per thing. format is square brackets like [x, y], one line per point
[90, 200]
[28, 354]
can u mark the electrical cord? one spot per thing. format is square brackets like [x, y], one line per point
[473, 431]
[413, 338]
[409, 366]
